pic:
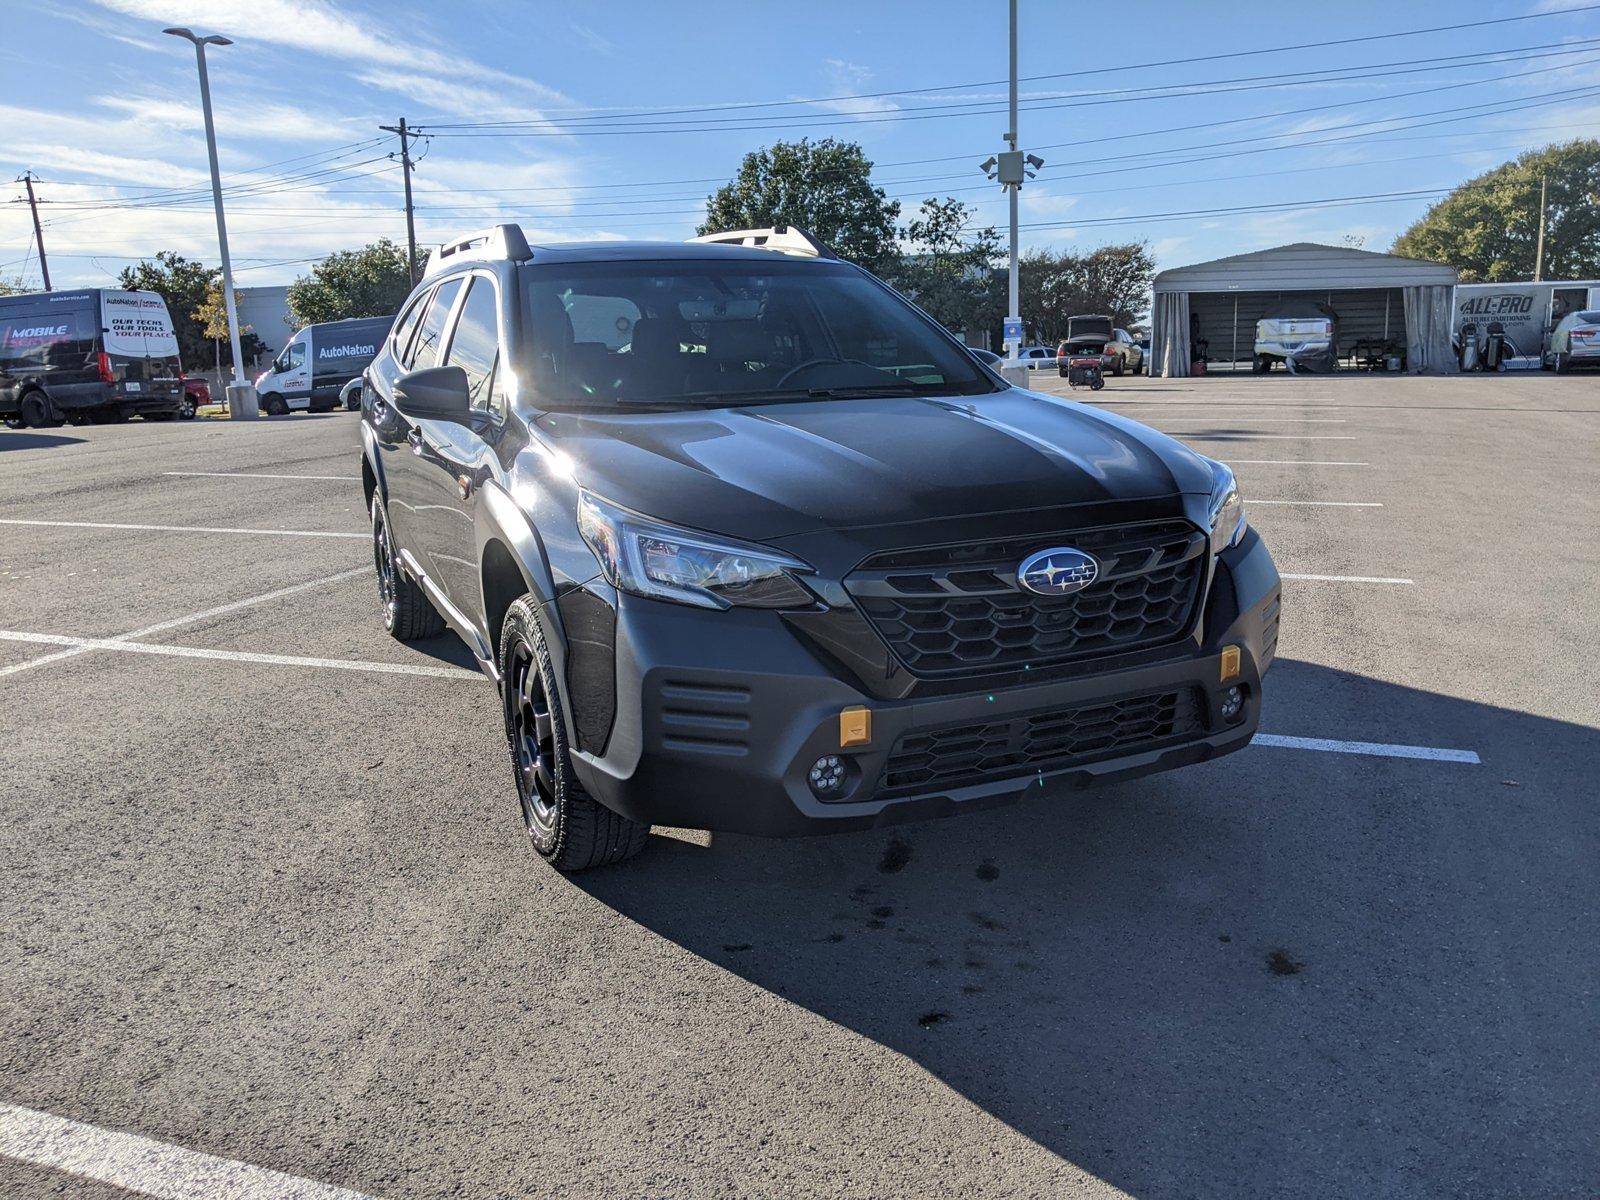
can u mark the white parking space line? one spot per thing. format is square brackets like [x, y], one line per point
[191, 618]
[1280, 420]
[1381, 749]
[144, 1165]
[313, 533]
[1291, 462]
[1326, 503]
[256, 475]
[1273, 437]
[1346, 578]
[275, 660]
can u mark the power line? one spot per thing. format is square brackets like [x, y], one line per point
[1116, 69]
[550, 128]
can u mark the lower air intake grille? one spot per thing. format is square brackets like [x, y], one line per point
[961, 755]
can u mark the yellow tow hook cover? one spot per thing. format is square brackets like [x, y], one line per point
[855, 727]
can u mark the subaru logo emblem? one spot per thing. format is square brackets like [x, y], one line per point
[1059, 571]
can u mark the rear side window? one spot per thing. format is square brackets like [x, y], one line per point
[475, 345]
[425, 353]
[406, 325]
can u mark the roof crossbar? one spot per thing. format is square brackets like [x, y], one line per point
[785, 239]
[497, 242]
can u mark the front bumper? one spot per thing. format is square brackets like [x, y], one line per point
[719, 717]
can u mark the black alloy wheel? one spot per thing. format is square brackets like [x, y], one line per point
[531, 728]
[383, 562]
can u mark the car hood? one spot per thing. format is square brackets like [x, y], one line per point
[769, 471]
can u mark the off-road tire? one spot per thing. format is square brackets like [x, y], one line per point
[407, 613]
[569, 828]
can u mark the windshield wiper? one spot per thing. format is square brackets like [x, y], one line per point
[791, 395]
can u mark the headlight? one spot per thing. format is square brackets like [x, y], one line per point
[649, 558]
[1226, 510]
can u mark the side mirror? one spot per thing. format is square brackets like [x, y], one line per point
[434, 394]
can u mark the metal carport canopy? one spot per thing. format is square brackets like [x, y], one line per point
[1306, 267]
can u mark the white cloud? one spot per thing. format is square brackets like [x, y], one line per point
[317, 27]
[849, 79]
[595, 41]
[276, 122]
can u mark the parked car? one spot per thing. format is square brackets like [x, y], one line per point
[92, 355]
[1575, 341]
[748, 543]
[1302, 335]
[350, 395]
[196, 395]
[1119, 353]
[1037, 358]
[311, 371]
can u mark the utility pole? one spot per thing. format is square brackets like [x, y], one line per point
[1010, 168]
[411, 220]
[27, 179]
[1538, 255]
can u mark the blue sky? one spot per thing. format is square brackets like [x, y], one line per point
[111, 124]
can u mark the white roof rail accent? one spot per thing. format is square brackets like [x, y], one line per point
[496, 242]
[786, 239]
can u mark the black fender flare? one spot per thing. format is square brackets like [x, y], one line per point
[374, 463]
[500, 519]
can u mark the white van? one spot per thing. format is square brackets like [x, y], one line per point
[313, 368]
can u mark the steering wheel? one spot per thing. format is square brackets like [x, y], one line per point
[817, 362]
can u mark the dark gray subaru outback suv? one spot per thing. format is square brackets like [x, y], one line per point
[749, 543]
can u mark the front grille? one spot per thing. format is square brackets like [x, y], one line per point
[959, 610]
[961, 755]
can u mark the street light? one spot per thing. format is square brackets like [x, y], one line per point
[241, 396]
[1009, 168]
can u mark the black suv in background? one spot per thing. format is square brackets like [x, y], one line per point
[749, 543]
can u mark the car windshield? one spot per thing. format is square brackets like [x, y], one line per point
[707, 333]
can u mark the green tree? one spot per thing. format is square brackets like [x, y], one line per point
[182, 283]
[824, 186]
[369, 282]
[213, 317]
[1488, 228]
[949, 269]
[1112, 280]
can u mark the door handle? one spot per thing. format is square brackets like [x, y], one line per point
[415, 438]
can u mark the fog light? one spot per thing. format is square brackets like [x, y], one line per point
[1232, 703]
[826, 776]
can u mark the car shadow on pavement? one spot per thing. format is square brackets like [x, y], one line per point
[10, 440]
[1283, 972]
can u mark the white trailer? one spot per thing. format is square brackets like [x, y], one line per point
[1527, 311]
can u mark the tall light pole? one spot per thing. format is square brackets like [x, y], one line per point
[241, 400]
[1010, 168]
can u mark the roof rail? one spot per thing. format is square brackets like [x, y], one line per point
[496, 242]
[786, 239]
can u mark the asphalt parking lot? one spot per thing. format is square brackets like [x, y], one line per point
[268, 904]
